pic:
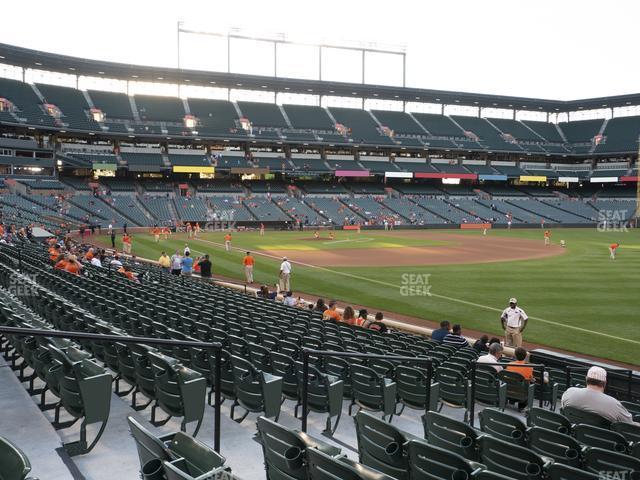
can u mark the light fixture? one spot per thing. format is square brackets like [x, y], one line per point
[39, 64]
[160, 78]
[212, 83]
[101, 73]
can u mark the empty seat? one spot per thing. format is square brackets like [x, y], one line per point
[324, 395]
[412, 384]
[514, 461]
[560, 447]
[285, 450]
[502, 425]
[490, 390]
[598, 460]
[452, 435]
[255, 391]
[372, 391]
[600, 437]
[454, 388]
[324, 467]
[559, 471]
[430, 462]
[14, 464]
[539, 417]
[576, 415]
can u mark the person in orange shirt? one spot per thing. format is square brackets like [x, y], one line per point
[126, 243]
[349, 316]
[62, 263]
[189, 230]
[612, 250]
[547, 237]
[156, 234]
[227, 242]
[126, 271]
[166, 232]
[196, 230]
[54, 252]
[248, 262]
[521, 357]
[89, 255]
[332, 313]
[73, 266]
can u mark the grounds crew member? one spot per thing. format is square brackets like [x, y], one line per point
[514, 321]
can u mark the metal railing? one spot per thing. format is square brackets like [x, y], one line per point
[215, 346]
[306, 353]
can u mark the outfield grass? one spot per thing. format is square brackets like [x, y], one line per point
[581, 301]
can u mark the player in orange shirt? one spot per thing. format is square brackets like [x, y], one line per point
[612, 250]
[189, 230]
[156, 234]
[227, 242]
[196, 230]
[166, 232]
[547, 237]
[248, 261]
[126, 243]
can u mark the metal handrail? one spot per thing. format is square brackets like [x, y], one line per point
[216, 346]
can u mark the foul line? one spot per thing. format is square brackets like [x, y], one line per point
[444, 297]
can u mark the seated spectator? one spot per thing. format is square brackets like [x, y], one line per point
[289, 299]
[73, 266]
[116, 262]
[378, 324]
[482, 344]
[455, 338]
[521, 357]
[264, 293]
[363, 318]
[593, 399]
[494, 340]
[332, 313]
[439, 334]
[349, 315]
[320, 306]
[493, 356]
[61, 264]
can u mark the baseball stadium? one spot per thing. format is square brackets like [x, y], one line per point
[213, 273]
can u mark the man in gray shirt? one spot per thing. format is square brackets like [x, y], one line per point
[593, 399]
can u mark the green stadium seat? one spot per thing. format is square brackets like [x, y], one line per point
[487, 475]
[600, 438]
[14, 464]
[180, 391]
[503, 426]
[630, 431]
[452, 435]
[325, 393]
[285, 450]
[539, 417]
[382, 446]
[412, 388]
[454, 388]
[284, 367]
[372, 391]
[560, 447]
[598, 460]
[519, 389]
[633, 408]
[514, 461]
[429, 462]
[577, 416]
[559, 471]
[489, 389]
[324, 467]
[255, 391]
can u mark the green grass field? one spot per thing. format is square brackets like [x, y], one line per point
[581, 301]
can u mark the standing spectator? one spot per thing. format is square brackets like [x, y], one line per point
[205, 267]
[187, 265]
[176, 263]
[439, 334]
[482, 344]
[112, 234]
[165, 262]
[186, 249]
[494, 355]
[455, 338]
[593, 399]
[285, 275]
[514, 321]
[248, 263]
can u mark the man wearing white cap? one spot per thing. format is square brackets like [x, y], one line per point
[514, 321]
[285, 274]
[592, 399]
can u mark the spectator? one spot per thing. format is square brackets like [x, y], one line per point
[115, 262]
[378, 324]
[332, 313]
[97, 260]
[363, 318]
[61, 264]
[455, 338]
[482, 344]
[205, 267]
[187, 265]
[521, 357]
[176, 263]
[439, 334]
[289, 299]
[494, 340]
[349, 315]
[494, 355]
[320, 305]
[73, 266]
[514, 321]
[165, 262]
[285, 274]
[593, 399]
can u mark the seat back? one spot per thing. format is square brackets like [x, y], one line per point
[452, 435]
[372, 391]
[149, 446]
[562, 448]
[600, 437]
[454, 389]
[559, 471]
[15, 464]
[256, 391]
[598, 460]
[503, 425]
[575, 415]
[428, 461]
[539, 417]
[518, 387]
[381, 445]
[489, 390]
[630, 431]
[412, 385]
[510, 460]
[324, 467]
[197, 458]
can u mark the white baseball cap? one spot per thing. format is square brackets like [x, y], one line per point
[284, 258]
[597, 373]
[513, 300]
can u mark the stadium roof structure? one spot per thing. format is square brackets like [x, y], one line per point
[36, 59]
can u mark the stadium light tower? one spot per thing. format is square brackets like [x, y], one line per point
[277, 39]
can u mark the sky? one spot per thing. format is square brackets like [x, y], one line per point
[558, 49]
